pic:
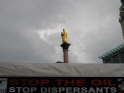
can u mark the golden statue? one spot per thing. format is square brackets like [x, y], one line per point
[64, 36]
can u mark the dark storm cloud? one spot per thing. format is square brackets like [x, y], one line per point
[93, 29]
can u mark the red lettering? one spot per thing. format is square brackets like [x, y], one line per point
[44, 82]
[102, 82]
[96, 82]
[80, 82]
[59, 82]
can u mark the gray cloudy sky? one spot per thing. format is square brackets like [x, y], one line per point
[30, 29]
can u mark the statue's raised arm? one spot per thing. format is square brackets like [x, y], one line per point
[64, 36]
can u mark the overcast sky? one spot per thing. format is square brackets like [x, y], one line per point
[30, 29]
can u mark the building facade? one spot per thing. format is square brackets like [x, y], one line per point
[116, 55]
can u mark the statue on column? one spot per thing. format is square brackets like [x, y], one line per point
[122, 1]
[64, 36]
[65, 45]
[122, 11]
[122, 6]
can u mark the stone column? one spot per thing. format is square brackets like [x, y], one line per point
[65, 47]
[121, 19]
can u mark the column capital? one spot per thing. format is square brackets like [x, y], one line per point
[65, 45]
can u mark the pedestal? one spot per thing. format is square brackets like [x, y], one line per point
[65, 47]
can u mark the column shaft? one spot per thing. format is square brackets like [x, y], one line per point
[65, 55]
